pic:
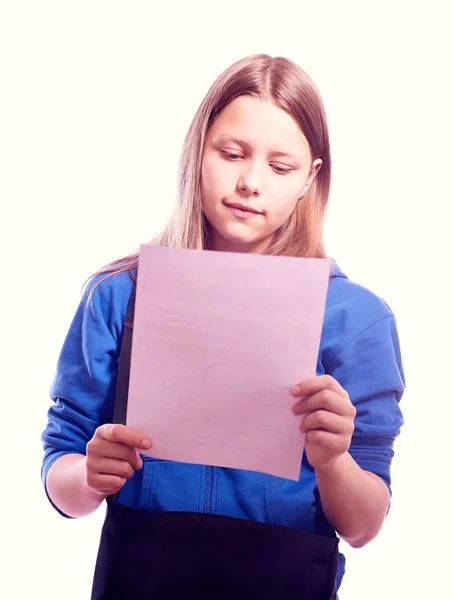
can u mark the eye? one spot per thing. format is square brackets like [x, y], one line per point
[235, 156]
[281, 170]
[231, 155]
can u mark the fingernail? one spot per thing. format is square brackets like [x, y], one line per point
[296, 389]
[146, 444]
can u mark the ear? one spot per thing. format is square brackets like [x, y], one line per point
[316, 166]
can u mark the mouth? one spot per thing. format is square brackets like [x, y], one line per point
[242, 211]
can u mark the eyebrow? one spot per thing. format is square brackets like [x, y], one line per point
[235, 140]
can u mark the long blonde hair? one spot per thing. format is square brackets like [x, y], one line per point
[271, 79]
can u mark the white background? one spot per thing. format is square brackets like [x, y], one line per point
[95, 99]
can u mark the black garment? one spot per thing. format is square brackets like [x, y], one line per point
[146, 555]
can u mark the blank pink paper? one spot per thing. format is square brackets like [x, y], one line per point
[219, 338]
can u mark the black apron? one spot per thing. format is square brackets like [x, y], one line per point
[158, 555]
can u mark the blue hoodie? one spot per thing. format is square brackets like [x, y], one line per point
[359, 348]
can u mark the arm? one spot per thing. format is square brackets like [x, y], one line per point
[354, 501]
[350, 435]
[67, 487]
[78, 484]
[83, 393]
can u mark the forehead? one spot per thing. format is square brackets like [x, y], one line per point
[260, 124]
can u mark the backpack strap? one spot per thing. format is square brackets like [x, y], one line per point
[124, 364]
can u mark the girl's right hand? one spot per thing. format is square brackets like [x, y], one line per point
[112, 457]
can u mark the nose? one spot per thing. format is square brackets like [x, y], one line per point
[249, 182]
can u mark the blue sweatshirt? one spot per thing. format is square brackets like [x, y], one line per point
[359, 348]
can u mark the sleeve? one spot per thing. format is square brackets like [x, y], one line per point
[370, 369]
[83, 389]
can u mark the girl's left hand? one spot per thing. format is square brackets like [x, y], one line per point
[329, 419]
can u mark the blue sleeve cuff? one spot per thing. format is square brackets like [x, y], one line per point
[379, 468]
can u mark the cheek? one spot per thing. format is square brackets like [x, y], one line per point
[206, 184]
[214, 181]
[286, 201]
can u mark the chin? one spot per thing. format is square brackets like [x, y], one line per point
[238, 243]
[233, 237]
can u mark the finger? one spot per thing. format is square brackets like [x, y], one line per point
[317, 384]
[122, 452]
[125, 435]
[326, 421]
[112, 466]
[327, 400]
[330, 441]
[105, 484]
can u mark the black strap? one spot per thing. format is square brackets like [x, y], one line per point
[124, 365]
[121, 396]
[319, 515]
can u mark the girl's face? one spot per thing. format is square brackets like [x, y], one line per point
[256, 166]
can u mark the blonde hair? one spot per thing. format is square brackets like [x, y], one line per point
[270, 79]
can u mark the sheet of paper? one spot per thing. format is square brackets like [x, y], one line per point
[219, 338]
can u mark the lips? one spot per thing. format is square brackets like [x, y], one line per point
[241, 211]
[243, 207]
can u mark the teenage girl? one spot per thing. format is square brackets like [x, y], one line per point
[254, 177]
